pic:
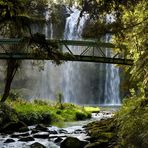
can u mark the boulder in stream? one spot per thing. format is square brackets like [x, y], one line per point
[23, 129]
[72, 142]
[58, 140]
[16, 135]
[37, 145]
[26, 139]
[33, 131]
[41, 127]
[9, 141]
[13, 127]
[62, 131]
[53, 132]
[102, 133]
[42, 135]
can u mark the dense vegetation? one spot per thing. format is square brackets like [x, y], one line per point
[129, 28]
[41, 111]
[132, 120]
[16, 19]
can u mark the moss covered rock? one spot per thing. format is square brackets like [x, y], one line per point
[72, 142]
[7, 114]
[102, 133]
[13, 127]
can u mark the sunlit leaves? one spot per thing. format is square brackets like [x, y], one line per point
[135, 36]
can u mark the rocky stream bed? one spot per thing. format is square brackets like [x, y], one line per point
[71, 135]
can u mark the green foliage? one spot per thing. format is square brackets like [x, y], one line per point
[15, 94]
[7, 114]
[129, 28]
[80, 116]
[134, 35]
[92, 109]
[132, 121]
[99, 8]
[102, 132]
[60, 100]
[40, 102]
[45, 112]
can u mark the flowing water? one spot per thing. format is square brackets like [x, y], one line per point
[68, 129]
[81, 83]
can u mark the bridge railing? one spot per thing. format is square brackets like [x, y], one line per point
[87, 51]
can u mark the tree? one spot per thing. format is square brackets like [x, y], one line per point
[16, 18]
[130, 28]
[134, 34]
[10, 28]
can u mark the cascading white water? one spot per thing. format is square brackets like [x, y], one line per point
[47, 80]
[112, 83]
[81, 83]
[74, 74]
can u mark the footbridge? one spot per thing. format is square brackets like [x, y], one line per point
[70, 50]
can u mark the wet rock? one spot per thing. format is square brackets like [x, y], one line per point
[72, 142]
[37, 145]
[23, 129]
[102, 133]
[9, 141]
[42, 135]
[58, 140]
[78, 131]
[26, 139]
[8, 114]
[13, 127]
[34, 131]
[53, 132]
[62, 131]
[41, 127]
[16, 135]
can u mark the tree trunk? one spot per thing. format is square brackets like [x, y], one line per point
[12, 66]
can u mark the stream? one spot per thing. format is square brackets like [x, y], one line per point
[53, 136]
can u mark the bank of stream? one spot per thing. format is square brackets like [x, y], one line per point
[52, 136]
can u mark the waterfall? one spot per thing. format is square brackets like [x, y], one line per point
[47, 80]
[81, 83]
[74, 74]
[72, 80]
[112, 83]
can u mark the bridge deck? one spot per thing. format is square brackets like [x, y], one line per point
[66, 42]
[25, 56]
[81, 57]
[87, 43]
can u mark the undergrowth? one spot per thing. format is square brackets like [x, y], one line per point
[40, 111]
[132, 122]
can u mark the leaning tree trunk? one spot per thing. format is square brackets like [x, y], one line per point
[12, 66]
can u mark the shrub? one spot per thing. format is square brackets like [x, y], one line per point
[80, 116]
[40, 102]
[41, 111]
[132, 120]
